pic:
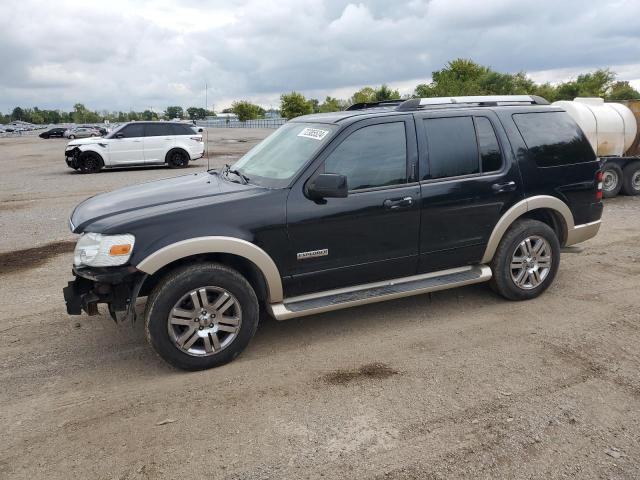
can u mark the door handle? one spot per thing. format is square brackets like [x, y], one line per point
[503, 187]
[395, 203]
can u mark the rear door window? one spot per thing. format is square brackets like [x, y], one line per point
[553, 138]
[452, 148]
[157, 130]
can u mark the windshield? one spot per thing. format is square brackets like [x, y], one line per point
[274, 161]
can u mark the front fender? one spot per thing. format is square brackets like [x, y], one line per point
[218, 244]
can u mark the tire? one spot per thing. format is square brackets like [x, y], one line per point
[72, 137]
[177, 159]
[611, 180]
[513, 246]
[631, 179]
[90, 163]
[166, 333]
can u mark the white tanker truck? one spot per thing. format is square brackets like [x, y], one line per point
[612, 130]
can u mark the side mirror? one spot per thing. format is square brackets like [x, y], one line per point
[119, 135]
[328, 185]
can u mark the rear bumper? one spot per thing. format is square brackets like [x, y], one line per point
[581, 233]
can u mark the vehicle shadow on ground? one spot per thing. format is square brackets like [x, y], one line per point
[125, 346]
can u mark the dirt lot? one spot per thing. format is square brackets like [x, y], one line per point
[458, 384]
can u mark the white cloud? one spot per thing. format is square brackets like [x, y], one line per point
[150, 54]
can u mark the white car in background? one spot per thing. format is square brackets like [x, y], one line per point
[137, 143]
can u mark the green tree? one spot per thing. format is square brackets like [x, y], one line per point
[246, 110]
[293, 105]
[385, 93]
[315, 105]
[330, 104]
[149, 115]
[196, 113]
[17, 114]
[623, 91]
[174, 112]
[364, 95]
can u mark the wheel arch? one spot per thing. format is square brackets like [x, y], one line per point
[173, 149]
[253, 262]
[545, 208]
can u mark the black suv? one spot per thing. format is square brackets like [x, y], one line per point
[341, 209]
[53, 132]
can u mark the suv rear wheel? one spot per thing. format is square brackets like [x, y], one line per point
[177, 159]
[201, 316]
[526, 261]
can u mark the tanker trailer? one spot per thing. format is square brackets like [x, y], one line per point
[612, 130]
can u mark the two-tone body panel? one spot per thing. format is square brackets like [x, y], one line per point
[426, 218]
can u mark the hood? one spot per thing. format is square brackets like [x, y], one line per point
[85, 141]
[183, 190]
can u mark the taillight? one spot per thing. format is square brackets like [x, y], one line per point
[599, 185]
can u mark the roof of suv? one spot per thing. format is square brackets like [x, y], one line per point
[399, 107]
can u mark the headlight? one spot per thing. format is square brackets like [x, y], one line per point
[97, 250]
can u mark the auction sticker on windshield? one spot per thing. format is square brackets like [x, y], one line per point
[314, 133]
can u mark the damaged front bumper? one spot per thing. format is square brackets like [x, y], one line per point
[118, 287]
[72, 157]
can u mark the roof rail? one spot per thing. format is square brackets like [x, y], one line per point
[478, 100]
[384, 103]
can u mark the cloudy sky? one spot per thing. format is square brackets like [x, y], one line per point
[118, 55]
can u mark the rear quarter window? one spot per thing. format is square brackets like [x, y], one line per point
[553, 138]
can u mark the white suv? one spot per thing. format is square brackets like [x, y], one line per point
[135, 144]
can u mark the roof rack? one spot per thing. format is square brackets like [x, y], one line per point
[384, 103]
[478, 100]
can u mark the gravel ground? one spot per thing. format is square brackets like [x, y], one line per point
[457, 384]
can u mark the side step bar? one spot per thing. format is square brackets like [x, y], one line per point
[377, 292]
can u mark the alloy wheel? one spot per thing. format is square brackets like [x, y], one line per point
[205, 321]
[531, 262]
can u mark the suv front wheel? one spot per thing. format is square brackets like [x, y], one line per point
[526, 261]
[201, 316]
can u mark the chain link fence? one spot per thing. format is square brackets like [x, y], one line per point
[233, 123]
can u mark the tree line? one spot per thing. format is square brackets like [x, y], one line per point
[458, 77]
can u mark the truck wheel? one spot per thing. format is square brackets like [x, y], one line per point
[631, 179]
[201, 316]
[526, 260]
[611, 180]
[90, 163]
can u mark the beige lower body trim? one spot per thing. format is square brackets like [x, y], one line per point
[280, 312]
[583, 232]
[235, 246]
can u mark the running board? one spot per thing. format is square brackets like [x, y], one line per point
[377, 292]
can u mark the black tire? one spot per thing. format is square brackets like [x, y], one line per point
[71, 137]
[176, 285]
[90, 163]
[177, 159]
[611, 180]
[631, 179]
[502, 281]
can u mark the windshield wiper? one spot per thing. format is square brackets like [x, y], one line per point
[241, 176]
